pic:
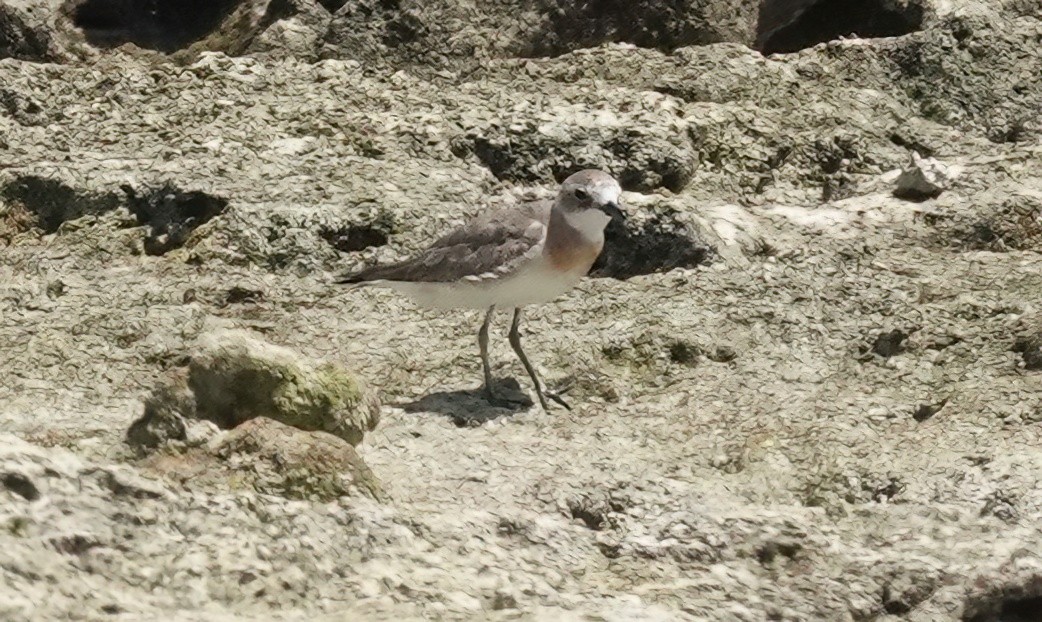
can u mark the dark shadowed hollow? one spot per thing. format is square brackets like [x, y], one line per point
[163, 25]
[792, 25]
[1012, 608]
[171, 214]
[660, 244]
[353, 238]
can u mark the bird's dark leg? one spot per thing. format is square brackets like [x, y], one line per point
[490, 391]
[515, 342]
[483, 344]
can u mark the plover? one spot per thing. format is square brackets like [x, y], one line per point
[529, 254]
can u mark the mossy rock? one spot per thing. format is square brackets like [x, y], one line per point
[278, 459]
[236, 377]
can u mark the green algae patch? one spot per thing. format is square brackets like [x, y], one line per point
[236, 377]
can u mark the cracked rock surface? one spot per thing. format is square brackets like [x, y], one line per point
[797, 395]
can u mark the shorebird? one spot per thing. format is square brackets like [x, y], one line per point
[528, 254]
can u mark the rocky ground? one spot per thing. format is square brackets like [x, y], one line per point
[798, 394]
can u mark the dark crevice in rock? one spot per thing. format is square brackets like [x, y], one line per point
[74, 544]
[902, 594]
[332, 5]
[660, 244]
[591, 517]
[1022, 610]
[496, 158]
[1012, 603]
[641, 163]
[21, 40]
[659, 24]
[793, 25]
[778, 550]
[902, 139]
[647, 171]
[384, 30]
[20, 485]
[278, 10]
[52, 202]
[23, 109]
[1013, 225]
[172, 214]
[238, 294]
[684, 353]
[889, 343]
[357, 237]
[981, 235]
[162, 25]
[1030, 349]
[925, 411]
[1014, 131]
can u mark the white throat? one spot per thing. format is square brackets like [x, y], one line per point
[589, 222]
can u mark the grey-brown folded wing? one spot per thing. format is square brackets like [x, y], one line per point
[494, 243]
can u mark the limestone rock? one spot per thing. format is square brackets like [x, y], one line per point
[449, 34]
[25, 33]
[236, 377]
[1029, 345]
[790, 25]
[124, 482]
[645, 150]
[292, 28]
[165, 411]
[923, 178]
[282, 460]
[731, 457]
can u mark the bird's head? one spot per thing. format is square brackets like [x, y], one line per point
[589, 200]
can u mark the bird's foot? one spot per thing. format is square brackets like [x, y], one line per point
[497, 399]
[556, 393]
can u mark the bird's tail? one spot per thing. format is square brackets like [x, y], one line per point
[371, 275]
[354, 280]
[349, 278]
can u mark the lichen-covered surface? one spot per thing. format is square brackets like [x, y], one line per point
[835, 415]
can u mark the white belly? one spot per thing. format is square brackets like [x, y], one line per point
[532, 285]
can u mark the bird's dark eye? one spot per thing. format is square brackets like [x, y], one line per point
[582, 195]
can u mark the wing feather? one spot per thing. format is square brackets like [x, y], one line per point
[488, 246]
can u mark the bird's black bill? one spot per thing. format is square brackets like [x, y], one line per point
[613, 210]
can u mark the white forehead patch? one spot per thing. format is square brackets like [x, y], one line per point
[606, 193]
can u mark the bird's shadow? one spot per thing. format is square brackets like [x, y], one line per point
[469, 407]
